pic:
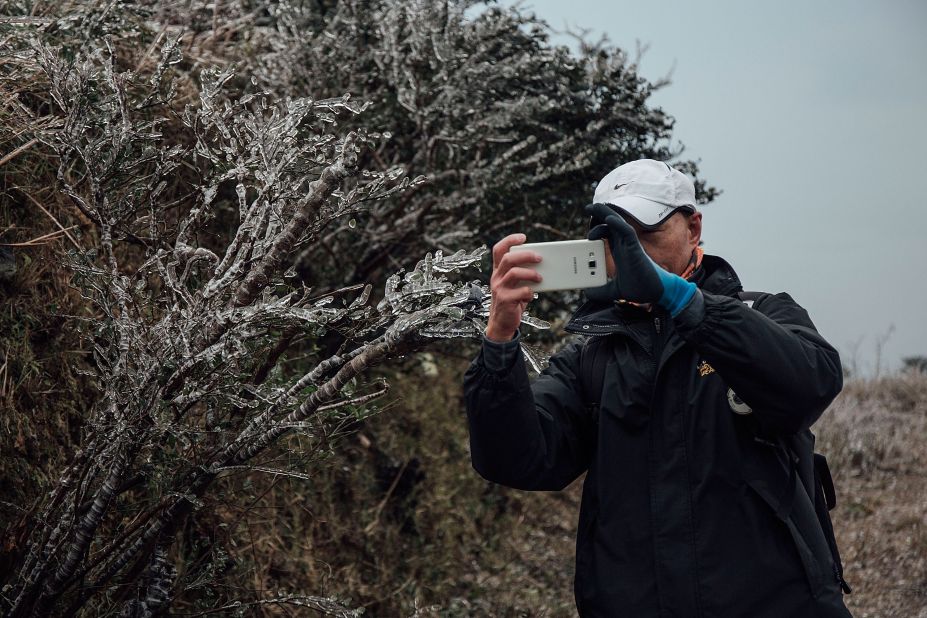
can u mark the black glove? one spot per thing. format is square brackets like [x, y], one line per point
[638, 278]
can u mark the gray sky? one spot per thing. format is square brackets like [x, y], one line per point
[812, 118]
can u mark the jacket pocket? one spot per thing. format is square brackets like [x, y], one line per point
[626, 403]
[624, 386]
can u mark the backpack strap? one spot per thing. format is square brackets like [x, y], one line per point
[824, 501]
[822, 471]
[748, 298]
[823, 494]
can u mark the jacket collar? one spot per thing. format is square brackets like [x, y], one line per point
[714, 275]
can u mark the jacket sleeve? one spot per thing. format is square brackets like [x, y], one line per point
[771, 355]
[533, 436]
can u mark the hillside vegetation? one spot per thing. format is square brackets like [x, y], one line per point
[225, 225]
[232, 352]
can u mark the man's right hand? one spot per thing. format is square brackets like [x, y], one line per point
[509, 294]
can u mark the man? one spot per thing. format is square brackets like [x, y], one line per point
[693, 503]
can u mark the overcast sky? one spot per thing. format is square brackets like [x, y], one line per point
[812, 118]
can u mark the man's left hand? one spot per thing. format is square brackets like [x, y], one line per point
[637, 278]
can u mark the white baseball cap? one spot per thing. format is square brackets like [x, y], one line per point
[646, 190]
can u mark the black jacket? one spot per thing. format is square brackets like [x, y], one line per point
[682, 511]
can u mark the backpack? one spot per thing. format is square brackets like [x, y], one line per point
[808, 467]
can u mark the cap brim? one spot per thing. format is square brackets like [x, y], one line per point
[646, 213]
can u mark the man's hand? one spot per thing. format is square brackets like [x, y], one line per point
[637, 278]
[509, 296]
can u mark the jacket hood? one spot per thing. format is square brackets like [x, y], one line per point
[714, 275]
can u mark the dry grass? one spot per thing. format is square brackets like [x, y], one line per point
[875, 438]
[399, 522]
[42, 397]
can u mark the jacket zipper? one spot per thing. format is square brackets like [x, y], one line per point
[658, 353]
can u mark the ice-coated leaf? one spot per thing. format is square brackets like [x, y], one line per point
[362, 299]
[450, 329]
[535, 322]
[536, 358]
[460, 260]
[456, 313]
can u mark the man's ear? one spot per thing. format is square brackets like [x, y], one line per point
[695, 228]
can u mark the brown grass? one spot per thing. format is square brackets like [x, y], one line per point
[399, 522]
[42, 397]
[875, 438]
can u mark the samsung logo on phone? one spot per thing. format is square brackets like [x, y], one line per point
[575, 266]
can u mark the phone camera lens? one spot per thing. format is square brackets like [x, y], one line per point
[591, 263]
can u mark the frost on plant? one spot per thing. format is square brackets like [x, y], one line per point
[260, 178]
[194, 301]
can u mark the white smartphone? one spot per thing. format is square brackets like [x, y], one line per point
[567, 264]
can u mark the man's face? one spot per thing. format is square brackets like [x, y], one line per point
[669, 245]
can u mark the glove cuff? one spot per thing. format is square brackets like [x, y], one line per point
[677, 292]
